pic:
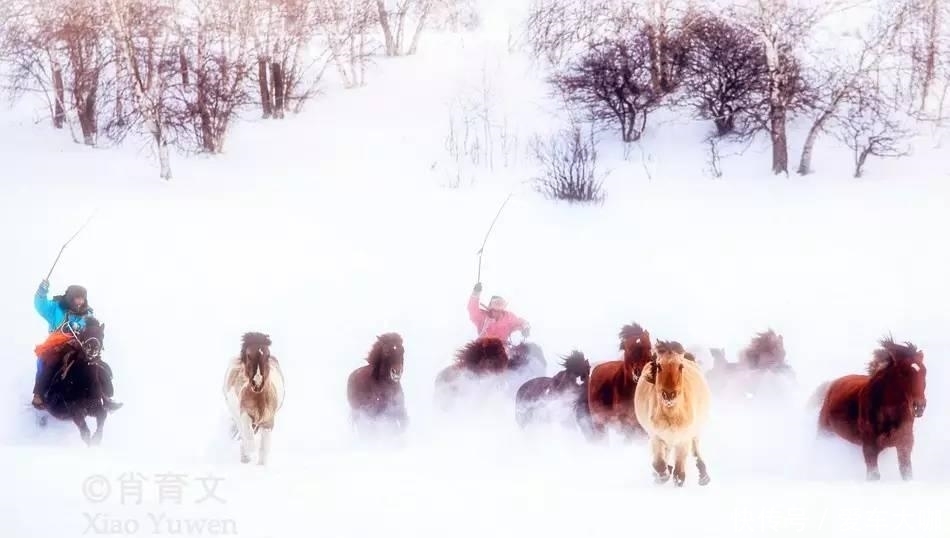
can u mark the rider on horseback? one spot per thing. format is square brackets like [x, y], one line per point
[496, 321]
[66, 316]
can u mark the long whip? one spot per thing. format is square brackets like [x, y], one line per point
[478, 277]
[68, 241]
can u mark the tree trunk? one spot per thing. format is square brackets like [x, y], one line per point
[59, 98]
[387, 29]
[859, 162]
[779, 139]
[930, 52]
[266, 102]
[277, 78]
[422, 21]
[183, 65]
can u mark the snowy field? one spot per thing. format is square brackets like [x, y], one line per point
[329, 228]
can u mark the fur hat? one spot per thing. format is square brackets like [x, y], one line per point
[66, 299]
[497, 303]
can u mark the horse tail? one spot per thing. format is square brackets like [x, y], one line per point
[818, 397]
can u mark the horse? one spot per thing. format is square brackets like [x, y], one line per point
[482, 358]
[566, 384]
[672, 403]
[254, 393]
[373, 391]
[763, 359]
[612, 384]
[877, 410]
[81, 381]
[525, 361]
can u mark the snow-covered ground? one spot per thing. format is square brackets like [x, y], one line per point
[327, 229]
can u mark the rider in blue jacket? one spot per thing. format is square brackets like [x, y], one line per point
[73, 308]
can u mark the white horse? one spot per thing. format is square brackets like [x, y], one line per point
[254, 392]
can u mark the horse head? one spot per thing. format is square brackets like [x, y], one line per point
[667, 372]
[255, 356]
[767, 350]
[484, 355]
[576, 368]
[637, 348]
[386, 357]
[902, 365]
[91, 339]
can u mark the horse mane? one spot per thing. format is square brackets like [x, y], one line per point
[575, 363]
[669, 347]
[882, 357]
[629, 331]
[376, 353]
[470, 354]
[763, 344]
[254, 339]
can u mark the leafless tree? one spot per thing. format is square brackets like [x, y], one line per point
[873, 122]
[726, 75]
[781, 26]
[925, 42]
[837, 75]
[612, 82]
[346, 24]
[556, 30]
[569, 168]
[395, 15]
[667, 24]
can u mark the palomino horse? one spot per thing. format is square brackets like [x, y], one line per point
[254, 392]
[569, 384]
[612, 384]
[81, 381]
[672, 404]
[373, 391]
[482, 358]
[763, 359]
[877, 410]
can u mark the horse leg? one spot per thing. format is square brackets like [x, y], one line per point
[101, 415]
[871, 452]
[79, 417]
[247, 437]
[903, 458]
[660, 452]
[265, 444]
[700, 464]
[681, 450]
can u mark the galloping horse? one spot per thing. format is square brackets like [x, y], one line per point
[877, 411]
[570, 383]
[479, 359]
[672, 405]
[373, 391]
[763, 358]
[612, 384]
[525, 361]
[81, 382]
[254, 392]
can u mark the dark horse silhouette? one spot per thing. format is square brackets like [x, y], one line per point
[373, 390]
[81, 381]
[479, 359]
[612, 385]
[764, 356]
[877, 410]
[569, 384]
[525, 361]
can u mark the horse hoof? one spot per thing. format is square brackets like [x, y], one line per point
[874, 476]
[678, 481]
[245, 458]
[703, 480]
[661, 478]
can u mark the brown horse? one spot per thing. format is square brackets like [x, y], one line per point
[764, 356]
[373, 390]
[481, 358]
[672, 404]
[612, 384]
[254, 392]
[877, 410]
[569, 383]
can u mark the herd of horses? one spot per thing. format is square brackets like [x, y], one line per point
[654, 391]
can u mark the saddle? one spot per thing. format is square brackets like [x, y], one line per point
[53, 347]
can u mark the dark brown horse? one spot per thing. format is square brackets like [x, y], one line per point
[81, 380]
[568, 384]
[373, 391]
[877, 410]
[612, 384]
[764, 355]
[479, 359]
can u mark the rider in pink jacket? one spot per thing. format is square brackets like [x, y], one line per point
[497, 321]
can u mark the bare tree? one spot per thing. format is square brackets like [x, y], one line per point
[569, 168]
[612, 82]
[394, 15]
[726, 75]
[346, 24]
[838, 75]
[557, 30]
[781, 26]
[873, 122]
